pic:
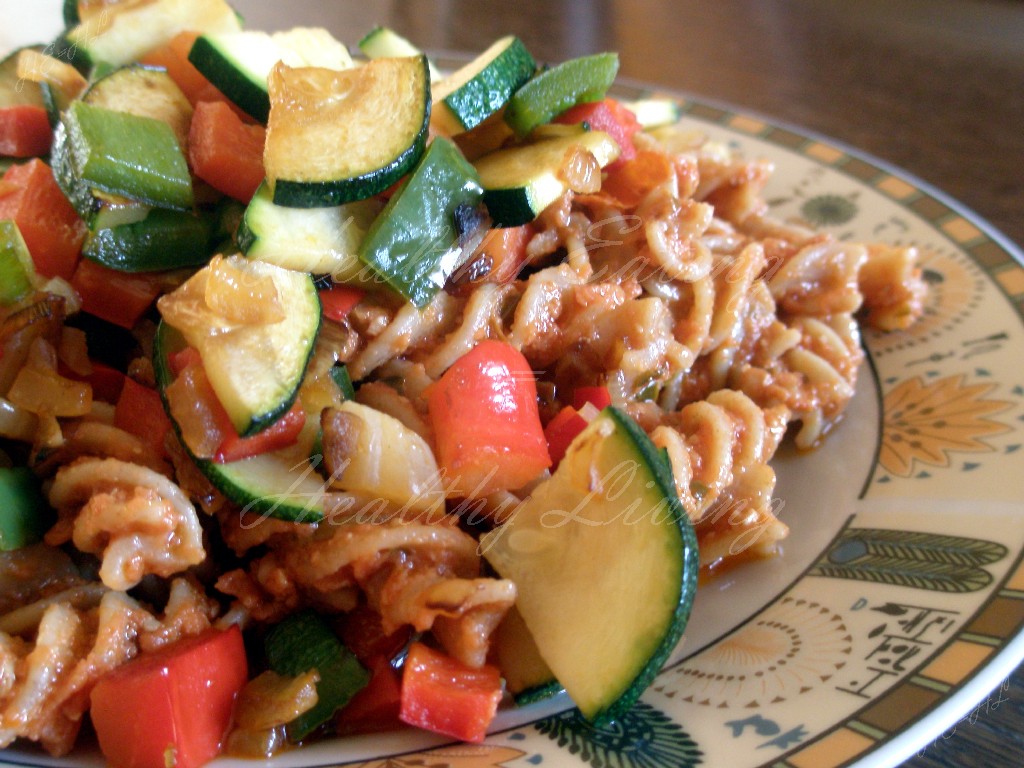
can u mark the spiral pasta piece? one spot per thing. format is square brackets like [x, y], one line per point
[892, 285]
[136, 519]
[719, 449]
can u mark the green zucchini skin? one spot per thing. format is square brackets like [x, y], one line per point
[246, 483]
[163, 240]
[520, 182]
[219, 68]
[333, 192]
[665, 485]
[632, 552]
[324, 194]
[502, 70]
[304, 641]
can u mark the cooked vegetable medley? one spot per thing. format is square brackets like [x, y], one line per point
[339, 395]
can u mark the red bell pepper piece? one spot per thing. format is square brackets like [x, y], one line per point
[610, 116]
[24, 131]
[52, 230]
[140, 412]
[338, 300]
[486, 421]
[172, 706]
[120, 298]
[561, 431]
[282, 433]
[375, 707]
[225, 152]
[443, 695]
[599, 397]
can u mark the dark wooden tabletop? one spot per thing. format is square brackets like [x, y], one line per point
[935, 87]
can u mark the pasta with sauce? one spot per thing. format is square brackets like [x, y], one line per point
[665, 281]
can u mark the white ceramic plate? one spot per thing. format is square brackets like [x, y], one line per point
[898, 601]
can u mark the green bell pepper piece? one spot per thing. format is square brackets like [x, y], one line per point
[551, 92]
[413, 242]
[125, 154]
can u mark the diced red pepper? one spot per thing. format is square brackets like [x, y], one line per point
[52, 230]
[612, 117]
[561, 430]
[282, 433]
[486, 421]
[225, 152]
[120, 298]
[599, 397]
[376, 707]
[338, 300]
[25, 131]
[171, 707]
[445, 696]
[140, 412]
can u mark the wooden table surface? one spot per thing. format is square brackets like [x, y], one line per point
[935, 87]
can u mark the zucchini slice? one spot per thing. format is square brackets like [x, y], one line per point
[239, 63]
[59, 82]
[520, 182]
[514, 651]
[414, 242]
[605, 564]
[385, 43]
[324, 241]
[14, 90]
[122, 34]
[145, 92]
[303, 642]
[160, 241]
[555, 90]
[473, 93]
[282, 484]
[655, 112]
[334, 137]
[255, 366]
